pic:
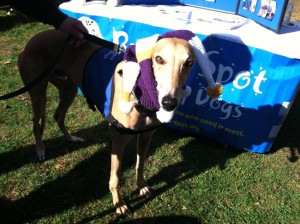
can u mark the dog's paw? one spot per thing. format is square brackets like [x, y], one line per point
[122, 209]
[145, 191]
[73, 138]
[40, 152]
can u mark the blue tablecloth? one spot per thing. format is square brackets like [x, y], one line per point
[260, 70]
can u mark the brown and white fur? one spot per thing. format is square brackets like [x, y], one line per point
[172, 61]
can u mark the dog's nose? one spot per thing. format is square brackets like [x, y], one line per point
[169, 103]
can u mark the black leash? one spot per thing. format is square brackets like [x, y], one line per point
[104, 43]
[46, 72]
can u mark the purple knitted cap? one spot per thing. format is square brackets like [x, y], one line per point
[181, 34]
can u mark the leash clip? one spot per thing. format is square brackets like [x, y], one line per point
[119, 49]
[104, 43]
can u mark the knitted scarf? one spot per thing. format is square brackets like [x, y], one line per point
[145, 85]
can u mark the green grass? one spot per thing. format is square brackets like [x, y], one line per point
[194, 180]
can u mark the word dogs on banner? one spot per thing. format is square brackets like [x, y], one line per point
[242, 80]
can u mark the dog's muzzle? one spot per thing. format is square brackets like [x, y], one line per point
[169, 103]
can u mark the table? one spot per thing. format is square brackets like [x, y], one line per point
[260, 70]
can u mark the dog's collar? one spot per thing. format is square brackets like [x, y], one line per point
[127, 131]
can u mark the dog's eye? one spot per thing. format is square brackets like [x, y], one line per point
[188, 63]
[159, 60]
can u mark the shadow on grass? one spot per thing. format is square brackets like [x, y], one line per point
[163, 220]
[8, 22]
[289, 135]
[88, 181]
[16, 158]
[199, 155]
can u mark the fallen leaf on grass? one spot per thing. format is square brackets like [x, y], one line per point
[257, 203]
[58, 166]
[6, 62]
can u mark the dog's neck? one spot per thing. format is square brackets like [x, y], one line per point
[145, 86]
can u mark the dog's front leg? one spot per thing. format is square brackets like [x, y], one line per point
[118, 143]
[142, 146]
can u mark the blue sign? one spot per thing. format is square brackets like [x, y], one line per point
[258, 89]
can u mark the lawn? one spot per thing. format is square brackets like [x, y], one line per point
[194, 179]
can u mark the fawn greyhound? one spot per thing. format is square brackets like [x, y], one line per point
[167, 60]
